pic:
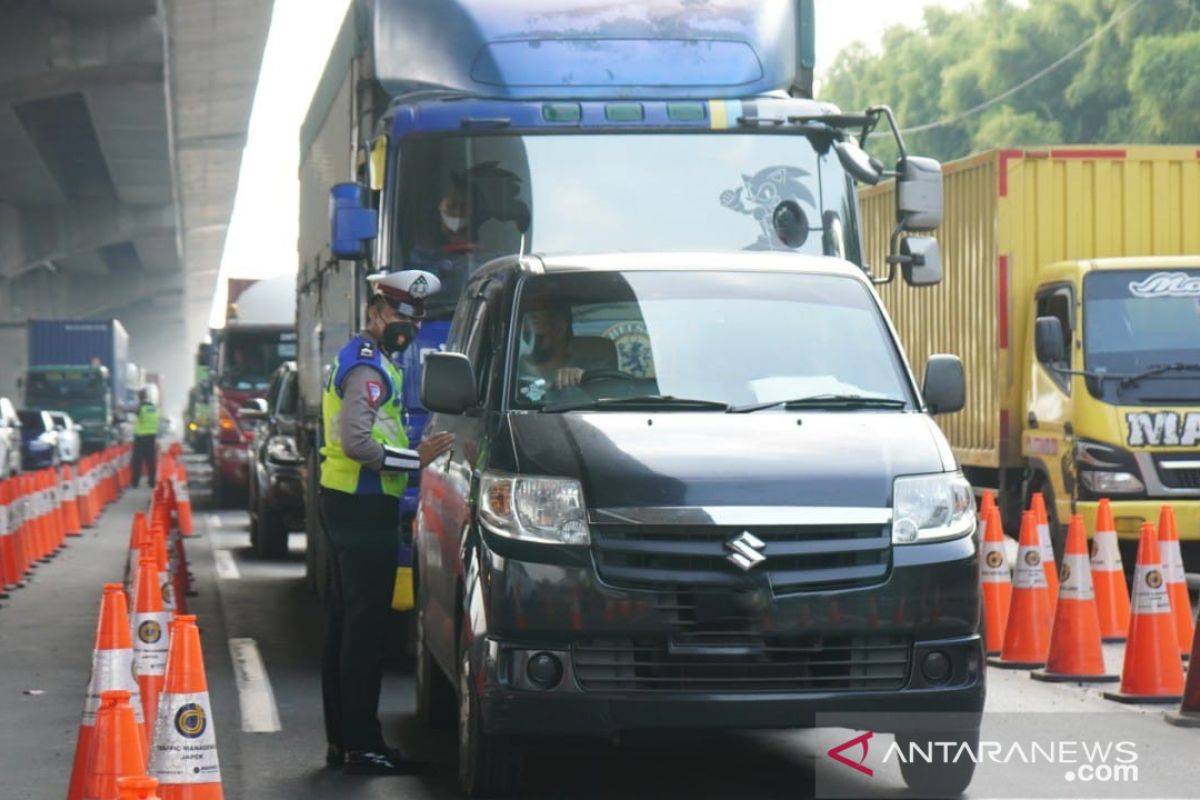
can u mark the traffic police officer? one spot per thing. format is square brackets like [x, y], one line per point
[145, 440]
[365, 463]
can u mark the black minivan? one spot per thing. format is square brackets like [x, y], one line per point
[689, 491]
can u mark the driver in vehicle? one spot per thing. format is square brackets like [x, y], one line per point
[550, 359]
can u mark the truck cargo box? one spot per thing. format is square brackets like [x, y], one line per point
[1009, 213]
[77, 342]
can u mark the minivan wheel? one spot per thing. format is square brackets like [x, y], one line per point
[435, 693]
[272, 543]
[938, 777]
[488, 765]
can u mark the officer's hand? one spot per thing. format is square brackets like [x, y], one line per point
[435, 445]
[568, 376]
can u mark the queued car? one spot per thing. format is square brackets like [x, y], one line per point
[70, 443]
[276, 493]
[10, 439]
[39, 440]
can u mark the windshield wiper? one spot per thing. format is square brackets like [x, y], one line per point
[824, 401]
[1158, 369]
[645, 400]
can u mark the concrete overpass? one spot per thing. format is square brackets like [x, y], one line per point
[122, 124]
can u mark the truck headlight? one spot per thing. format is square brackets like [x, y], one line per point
[283, 450]
[930, 508]
[1104, 483]
[533, 509]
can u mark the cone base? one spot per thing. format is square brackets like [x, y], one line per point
[1183, 719]
[1112, 639]
[1062, 677]
[1122, 697]
[1002, 664]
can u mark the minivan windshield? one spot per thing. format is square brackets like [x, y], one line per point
[1139, 321]
[730, 340]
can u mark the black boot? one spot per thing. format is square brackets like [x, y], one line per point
[381, 762]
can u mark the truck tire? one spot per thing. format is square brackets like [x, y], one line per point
[488, 765]
[938, 777]
[435, 693]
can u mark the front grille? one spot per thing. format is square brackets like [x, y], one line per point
[1186, 478]
[798, 558]
[743, 664]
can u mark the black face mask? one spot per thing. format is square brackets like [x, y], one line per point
[397, 336]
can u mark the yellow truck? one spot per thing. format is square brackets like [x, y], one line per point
[1071, 297]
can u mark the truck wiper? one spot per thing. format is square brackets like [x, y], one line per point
[645, 400]
[1158, 369]
[824, 401]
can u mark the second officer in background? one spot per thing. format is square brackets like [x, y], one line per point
[365, 464]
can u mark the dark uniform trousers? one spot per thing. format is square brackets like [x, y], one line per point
[145, 457]
[361, 536]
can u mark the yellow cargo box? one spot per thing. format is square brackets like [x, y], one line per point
[1008, 215]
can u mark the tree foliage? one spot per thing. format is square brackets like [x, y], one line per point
[1138, 81]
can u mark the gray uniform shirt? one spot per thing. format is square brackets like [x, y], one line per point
[358, 418]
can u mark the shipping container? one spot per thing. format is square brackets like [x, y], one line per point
[1012, 218]
[81, 343]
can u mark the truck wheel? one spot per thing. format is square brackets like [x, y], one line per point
[488, 765]
[272, 541]
[435, 693]
[938, 777]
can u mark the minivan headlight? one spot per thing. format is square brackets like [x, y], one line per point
[930, 508]
[533, 509]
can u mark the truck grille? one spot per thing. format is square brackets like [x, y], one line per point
[743, 664]
[797, 558]
[1185, 478]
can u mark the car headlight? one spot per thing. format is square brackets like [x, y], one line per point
[930, 508]
[1105, 483]
[283, 450]
[533, 509]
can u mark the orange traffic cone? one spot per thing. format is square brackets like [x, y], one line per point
[1152, 671]
[183, 501]
[112, 668]
[139, 788]
[150, 639]
[116, 749]
[184, 754]
[1181, 604]
[166, 580]
[1038, 507]
[1108, 576]
[1075, 652]
[1027, 632]
[985, 505]
[1188, 714]
[8, 536]
[995, 576]
[70, 503]
[138, 535]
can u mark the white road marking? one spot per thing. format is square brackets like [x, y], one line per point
[257, 700]
[214, 521]
[226, 566]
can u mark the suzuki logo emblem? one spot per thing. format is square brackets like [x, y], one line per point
[744, 551]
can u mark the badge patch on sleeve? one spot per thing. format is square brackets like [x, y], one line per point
[374, 393]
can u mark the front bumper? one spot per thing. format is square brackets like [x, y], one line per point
[929, 601]
[1130, 514]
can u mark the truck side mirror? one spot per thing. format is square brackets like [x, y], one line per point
[1049, 341]
[919, 194]
[448, 383]
[945, 384]
[352, 221]
[922, 265]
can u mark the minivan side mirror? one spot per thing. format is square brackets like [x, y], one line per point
[945, 384]
[448, 383]
[352, 221]
[919, 194]
[922, 265]
[1049, 341]
[254, 408]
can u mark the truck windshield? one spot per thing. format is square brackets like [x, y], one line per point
[54, 389]
[1138, 319]
[721, 339]
[248, 358]
[465, 200]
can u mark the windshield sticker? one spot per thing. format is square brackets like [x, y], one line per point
[634, 355]
[761, 193]
[1163, 429]
[1167, 284]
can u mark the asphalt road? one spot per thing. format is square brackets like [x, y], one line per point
[45, 640]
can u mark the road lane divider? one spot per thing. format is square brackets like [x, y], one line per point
[260, 714]
[227, 568]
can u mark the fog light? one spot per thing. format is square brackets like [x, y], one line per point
[936, 667]
[544, 670]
